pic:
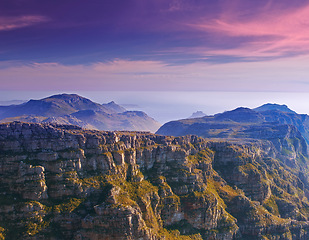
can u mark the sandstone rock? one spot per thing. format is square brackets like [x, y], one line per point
[63, 182]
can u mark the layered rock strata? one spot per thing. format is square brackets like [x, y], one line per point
[63, 182]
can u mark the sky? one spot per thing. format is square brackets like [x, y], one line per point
[154, 45]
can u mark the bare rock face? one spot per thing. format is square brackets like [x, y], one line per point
[31, 182]
[63, 182]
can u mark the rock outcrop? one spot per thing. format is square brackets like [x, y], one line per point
[64, 182]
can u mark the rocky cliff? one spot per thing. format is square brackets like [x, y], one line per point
[63, 182]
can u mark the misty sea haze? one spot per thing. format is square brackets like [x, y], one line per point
[165, 106]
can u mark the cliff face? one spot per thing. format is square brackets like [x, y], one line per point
[63, 182]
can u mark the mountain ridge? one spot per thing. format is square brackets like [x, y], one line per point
[77, 110]
[243, 123]
[274, 106]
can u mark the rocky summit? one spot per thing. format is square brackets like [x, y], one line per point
[65, 182]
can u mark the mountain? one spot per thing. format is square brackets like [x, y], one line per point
[113, 106]
[245, 123]
[77, 110]
[54, 106]
[240, 115]
[283, 115]
[272, 107]
[65, 182]
[197, 114]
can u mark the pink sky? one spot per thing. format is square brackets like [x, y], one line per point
[176, 45]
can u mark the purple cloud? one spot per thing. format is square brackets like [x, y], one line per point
[268, 33]
[10, 23]
[154, 45]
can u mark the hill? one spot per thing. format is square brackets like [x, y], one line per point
[77, 110]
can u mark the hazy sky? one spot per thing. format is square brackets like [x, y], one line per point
[158, 45]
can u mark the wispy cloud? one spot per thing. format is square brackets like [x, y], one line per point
[268, 33]
[10, 23]
[125, 75]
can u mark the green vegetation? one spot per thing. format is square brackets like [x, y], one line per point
[224, 193]
[68, 206]
[191, 200]
[136, 194]
[33, 226]
[124, 199]
[140, 193]
[271, 205]
[202, 156]
[93, 182]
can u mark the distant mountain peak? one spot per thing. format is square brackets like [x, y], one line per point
[67, 98]
[241, 114]
[274, 107]
[114, 106]
[64, 96]
[198, 114]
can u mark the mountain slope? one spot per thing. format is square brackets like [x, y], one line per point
[272, 107]
[114, 107]
[77, 110]
[244, 123]
[240, 115]
[300, 121]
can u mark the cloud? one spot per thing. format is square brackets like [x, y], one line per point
[270, 32]
[286, 75]
[10, 23]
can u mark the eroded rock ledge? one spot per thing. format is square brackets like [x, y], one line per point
[64, 182]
